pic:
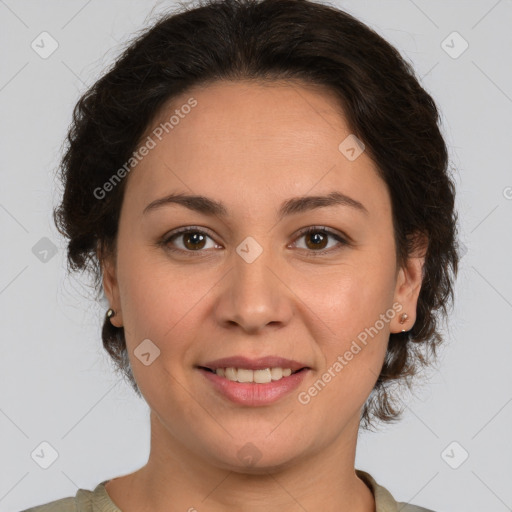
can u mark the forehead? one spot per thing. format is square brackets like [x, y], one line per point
[253, 141]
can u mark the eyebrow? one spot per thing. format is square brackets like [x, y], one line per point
[294, 205]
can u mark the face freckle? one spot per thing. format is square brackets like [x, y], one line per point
[257, 288]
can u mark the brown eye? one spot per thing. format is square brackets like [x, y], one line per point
[187, 240]
[317, 239]
[193, 240]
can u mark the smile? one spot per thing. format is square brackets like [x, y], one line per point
[253, 387]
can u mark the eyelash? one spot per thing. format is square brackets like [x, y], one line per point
[194, 229]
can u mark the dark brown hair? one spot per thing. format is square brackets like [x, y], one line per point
[384, 104]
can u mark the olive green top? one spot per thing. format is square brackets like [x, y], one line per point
[99, 500]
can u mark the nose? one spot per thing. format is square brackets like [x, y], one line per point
[254, 295]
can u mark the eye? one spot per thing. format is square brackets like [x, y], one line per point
[192, 239]
[316, 238]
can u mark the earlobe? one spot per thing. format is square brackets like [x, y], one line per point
[111, 289]
[408, 286]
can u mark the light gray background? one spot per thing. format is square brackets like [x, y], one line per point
[57, 384]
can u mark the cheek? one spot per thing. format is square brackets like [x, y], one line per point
[352, 298]
[151, 294]
[353, 349]
[163, 302]
[160, 304]
[356, 305]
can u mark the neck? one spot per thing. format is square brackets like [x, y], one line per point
[176, 478]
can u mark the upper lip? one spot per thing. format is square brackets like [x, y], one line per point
[254, 364]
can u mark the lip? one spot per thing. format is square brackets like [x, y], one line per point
[252, 394]
[254, 364]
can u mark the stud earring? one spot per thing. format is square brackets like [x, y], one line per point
[110, 313]
[403, 319]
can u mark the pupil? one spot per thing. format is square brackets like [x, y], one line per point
[195, 238]
[318, 237]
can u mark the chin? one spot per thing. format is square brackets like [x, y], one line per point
[260, 465]
[256, 454]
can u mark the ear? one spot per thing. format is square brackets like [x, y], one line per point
[110, 284]
[408, 284]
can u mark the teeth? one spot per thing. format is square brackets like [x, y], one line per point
[259, 376]
[276, 373]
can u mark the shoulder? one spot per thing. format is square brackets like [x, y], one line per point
[62, 505]
[97, 500]
[384, 501]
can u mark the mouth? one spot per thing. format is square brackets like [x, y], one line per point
[252, 388]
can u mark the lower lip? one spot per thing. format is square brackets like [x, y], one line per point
[253, 394]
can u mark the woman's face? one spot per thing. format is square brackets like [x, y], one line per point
[248, 283]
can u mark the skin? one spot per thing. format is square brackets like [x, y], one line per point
[253, 146]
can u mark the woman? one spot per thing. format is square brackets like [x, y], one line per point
[261, 189]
